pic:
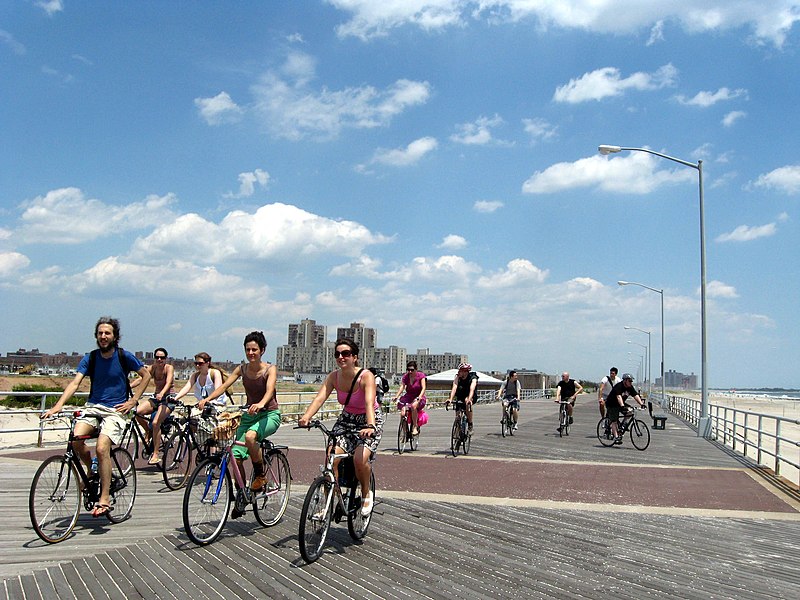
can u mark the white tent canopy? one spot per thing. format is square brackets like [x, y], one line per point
[450, 374]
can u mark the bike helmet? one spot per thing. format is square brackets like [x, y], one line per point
[465, 367]
[627, 376]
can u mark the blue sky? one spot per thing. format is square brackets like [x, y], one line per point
[428, 168]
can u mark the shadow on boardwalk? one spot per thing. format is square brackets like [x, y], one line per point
[534, 516]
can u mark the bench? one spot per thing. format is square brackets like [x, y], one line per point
[659, 417]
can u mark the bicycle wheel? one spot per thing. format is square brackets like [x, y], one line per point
[123, 485]
[176, 461]
[401, 436]
[640, 434]
[357, 524]
[315, 518]
[271, 501]
[604, 432]
[455, 438]
[563, 423]
[466, 435]
[504, 423]
[413, 439]
[207, 502]
[55, 499]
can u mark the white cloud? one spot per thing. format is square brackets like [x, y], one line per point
[9, 40]
[219, 109]
[289, 107]
[656, 33]
[539, 129]
[769, 22]
[733, 116]
[745, 233]
[66, 216]
[51, 7]
[785, 179]
[705, 99]
[248, 182]
[274, 232]
[477, 133]
[11, 262]
[608, 82]
[410, 155]
[717, 289]
[487, 206]
[452, 242]
[518, 272]
[634, 173]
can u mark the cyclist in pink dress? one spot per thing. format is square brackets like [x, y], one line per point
[413, 383]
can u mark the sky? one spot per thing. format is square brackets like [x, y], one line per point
[428, 168]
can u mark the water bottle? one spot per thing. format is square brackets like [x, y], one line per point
[94, 465]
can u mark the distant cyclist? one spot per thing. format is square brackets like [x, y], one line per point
[411, 395]
[616, 403]
[604, 389]
[161, 404]
[463, 390]
[567, 390]
[509, 393]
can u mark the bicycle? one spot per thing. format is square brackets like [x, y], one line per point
[405, 431]
[639, 431]
[460, 436]
[61, 481]
[563, 418]
[192, 435]
[133, 435]
[209, 493]
[331, 498]
[507, 422]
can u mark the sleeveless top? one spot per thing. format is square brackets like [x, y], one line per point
[256, 388]
[204, 391]
[358, 401]
[160, 380]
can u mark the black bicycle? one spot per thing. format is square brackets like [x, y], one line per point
[331, 498]
[638, 430]
[460, 436]
[507, 422]
[190, 443]
[135, 434]
[61, 481]
[405, 432]
[563, 418]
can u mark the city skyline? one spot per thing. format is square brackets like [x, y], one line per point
[430, 168]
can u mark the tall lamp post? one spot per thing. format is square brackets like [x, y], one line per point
[704, 423]
[649, 360]
[652, 289]
[646, 360]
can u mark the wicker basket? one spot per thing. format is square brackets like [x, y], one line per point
[204, 429]
[225, 431]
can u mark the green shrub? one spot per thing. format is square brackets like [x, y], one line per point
[32, 401]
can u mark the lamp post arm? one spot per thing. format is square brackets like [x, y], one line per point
[668, 157]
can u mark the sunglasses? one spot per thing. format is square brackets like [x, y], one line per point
[161, 358]
[411, 369]
[199, 364]
[343, 354]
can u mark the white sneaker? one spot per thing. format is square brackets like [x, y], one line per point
[366, 505]
[515, 427]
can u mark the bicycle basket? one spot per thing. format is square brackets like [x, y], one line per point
[225, 431]
[204, 430]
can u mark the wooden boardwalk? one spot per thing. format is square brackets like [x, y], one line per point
[533, 516]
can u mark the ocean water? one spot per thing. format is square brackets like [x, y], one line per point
[775, 395]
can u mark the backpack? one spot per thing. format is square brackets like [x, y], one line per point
[384, 384]
[123, 362]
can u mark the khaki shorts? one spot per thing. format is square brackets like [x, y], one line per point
[107, 420]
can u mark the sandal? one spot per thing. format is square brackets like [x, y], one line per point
[366, 505]
[154, 460]
[101, 510]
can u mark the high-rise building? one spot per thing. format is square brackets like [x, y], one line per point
[365, 337]
[307, 334]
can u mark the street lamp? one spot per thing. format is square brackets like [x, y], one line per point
[703, 425]
[632, 360]
[646, 360]
[649, 360]
[652, 289]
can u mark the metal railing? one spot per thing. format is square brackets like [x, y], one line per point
[293, 404]
[751, 433]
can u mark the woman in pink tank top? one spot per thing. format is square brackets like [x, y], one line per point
[359, 410]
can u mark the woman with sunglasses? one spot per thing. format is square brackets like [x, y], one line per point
[161, 404]
[262, 417]
[413, 383]
[355, 391]
[202, 382]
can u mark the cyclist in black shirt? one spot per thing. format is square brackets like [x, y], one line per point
[464, 386]
[567, 390]
[615, 404]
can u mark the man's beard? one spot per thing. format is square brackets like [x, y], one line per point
[112, 344]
